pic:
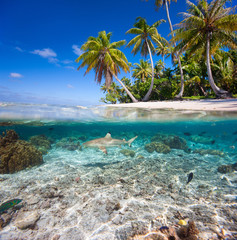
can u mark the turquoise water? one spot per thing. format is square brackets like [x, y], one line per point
[146, 186]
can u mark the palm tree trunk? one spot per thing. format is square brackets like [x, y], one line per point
[179, 62]
[182, 80]
[125, 88]
[147, 96]
[219, 92]
[163, 57]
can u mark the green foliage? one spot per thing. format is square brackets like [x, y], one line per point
[142, 70]
[103, 56]
[163, 89]
[115, 93]
[206, 28]
[204, 20]
[145, 36]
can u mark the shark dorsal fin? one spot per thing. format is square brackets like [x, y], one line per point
[108, 135]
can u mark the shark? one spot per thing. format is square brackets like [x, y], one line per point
[106, 142]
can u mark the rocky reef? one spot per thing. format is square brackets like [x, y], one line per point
[71, 144]
[158, 147]
[41, 142]
[209, 151]
[189, 232]
[173, 141]
[202, 139]
[17, 154]
[227, 168]
[127, 152]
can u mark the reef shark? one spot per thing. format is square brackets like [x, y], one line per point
[107, 141]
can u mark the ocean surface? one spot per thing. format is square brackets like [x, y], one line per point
[79, 192]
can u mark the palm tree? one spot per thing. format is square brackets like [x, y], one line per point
[105, 58]
[193, 72]
[159, 68]
[142, 70]
[143, 42]
[163, 49]
[130, 67]
[166, 3]
[224, 67]
[206, 28]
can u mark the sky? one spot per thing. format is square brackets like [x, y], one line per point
[41, 39]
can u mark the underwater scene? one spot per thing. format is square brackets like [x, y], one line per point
[117, 174]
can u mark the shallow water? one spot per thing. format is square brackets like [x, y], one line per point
[80, 191]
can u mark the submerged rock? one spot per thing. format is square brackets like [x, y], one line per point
[202, 139]
[27, 219]
[127, 152]
[209, 151]
[41, 142]
[70, 144]
[17, 154]
[158, 147]
[173, 141]
[227, 168]
[5, 220]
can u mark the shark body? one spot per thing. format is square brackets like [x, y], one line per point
[107, 141]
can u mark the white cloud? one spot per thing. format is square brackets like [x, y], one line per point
[19, 49]
[69, 86]
[70, 67]
[45, 53]
[77, 50]
[67, 61]
[16, 75]
[53, 60]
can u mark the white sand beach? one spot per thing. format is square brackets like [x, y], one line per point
[199, 105]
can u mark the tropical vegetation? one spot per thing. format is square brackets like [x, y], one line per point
[202, 47]
[206, 28]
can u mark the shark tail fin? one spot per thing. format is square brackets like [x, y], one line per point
[131, 140]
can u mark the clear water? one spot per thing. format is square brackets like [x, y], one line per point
[147, 186]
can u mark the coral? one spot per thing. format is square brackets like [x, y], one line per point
[209, 151]
[17, 154]
[41, 142]
[158, 147]
[162, 148]
[8, 137]
[189, 232]
[234, 166]
[173, 141]
[202, 139]
[70, 144]
[150, 147]
[225, 168]
[127, 152]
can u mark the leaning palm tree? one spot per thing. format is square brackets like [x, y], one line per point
[166, 3]
[142, 70]
[205, 28]
[143, 42]
[105, 58]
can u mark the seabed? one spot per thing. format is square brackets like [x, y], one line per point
[82, 193]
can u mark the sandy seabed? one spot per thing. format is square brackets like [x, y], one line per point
[87, 195]
[74, 195]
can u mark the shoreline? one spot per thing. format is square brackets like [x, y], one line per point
[229, 105]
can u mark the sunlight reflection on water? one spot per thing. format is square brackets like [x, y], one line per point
[14, 111]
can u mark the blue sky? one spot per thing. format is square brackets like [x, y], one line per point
[40, 40]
